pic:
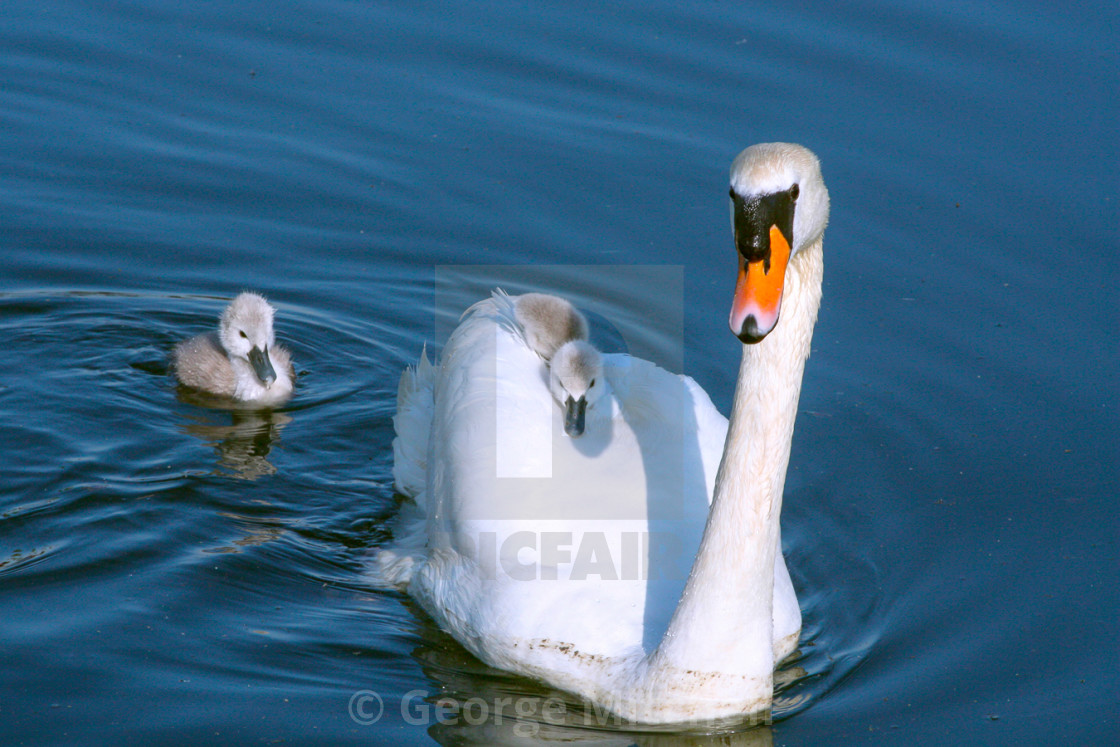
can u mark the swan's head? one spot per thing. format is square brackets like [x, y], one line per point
[246, 334]
[548, 322]
[779, 205]
[577, 382]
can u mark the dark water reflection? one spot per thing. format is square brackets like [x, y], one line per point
[171, 572]
[244, 444]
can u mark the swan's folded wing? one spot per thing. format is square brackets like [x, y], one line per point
[413, 423]
[201, 363]
[711, 430]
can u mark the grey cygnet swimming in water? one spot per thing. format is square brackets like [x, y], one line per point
[240, 360]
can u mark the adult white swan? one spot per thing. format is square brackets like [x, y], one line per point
[639, 565]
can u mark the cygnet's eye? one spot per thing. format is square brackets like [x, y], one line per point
[242, 333]
[591, 384]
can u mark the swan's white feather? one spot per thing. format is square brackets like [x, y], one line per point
[412, 424]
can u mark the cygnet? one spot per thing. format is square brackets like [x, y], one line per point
[239, 360]
[577, 381]
[548, 322]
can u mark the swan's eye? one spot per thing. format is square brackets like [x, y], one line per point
[591, 384]
[242, 333]
[794, 191]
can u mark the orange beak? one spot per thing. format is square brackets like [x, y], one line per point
[758, 292]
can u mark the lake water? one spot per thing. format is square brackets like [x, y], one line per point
[173, 574]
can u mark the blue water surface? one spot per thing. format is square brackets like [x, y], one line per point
[177, 574]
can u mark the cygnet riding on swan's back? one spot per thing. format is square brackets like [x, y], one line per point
[640, 568]
[557, 332]
[548, 322]
[240, 360]
[577, 381]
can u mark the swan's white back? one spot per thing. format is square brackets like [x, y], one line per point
[527, 487]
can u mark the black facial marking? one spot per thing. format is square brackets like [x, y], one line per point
[755, 215]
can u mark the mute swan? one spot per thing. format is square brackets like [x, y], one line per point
[569, 573]
[241, 360]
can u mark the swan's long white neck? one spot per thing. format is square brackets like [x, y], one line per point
[723, 625]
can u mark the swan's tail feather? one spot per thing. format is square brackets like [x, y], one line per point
[503, 311]
[391, 570]
[502, 301]
[393, 566]
[413, 423]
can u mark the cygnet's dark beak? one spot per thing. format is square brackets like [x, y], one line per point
[262, 365]
[575, 411]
